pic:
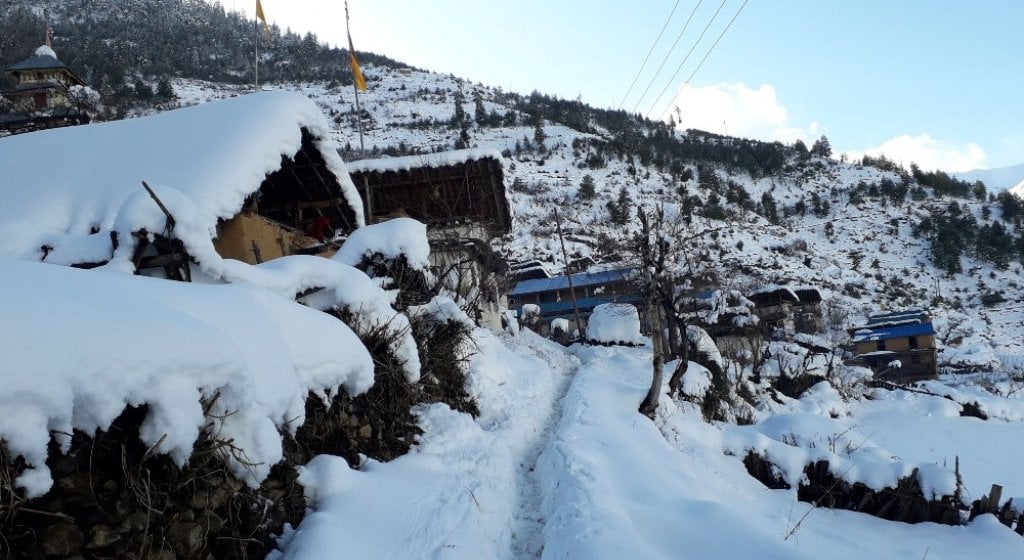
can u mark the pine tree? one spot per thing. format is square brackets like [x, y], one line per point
[143, 91]
[460, 113]
[821, 148]
[587, 190]
[620, 210]
[539, 135]
[479, 112]
[164, 90]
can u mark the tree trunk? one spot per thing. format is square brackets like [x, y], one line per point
[650, 403]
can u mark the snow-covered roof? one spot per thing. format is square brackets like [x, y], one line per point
[904, 317]
[772, 293]
[405, 163]
[61, 185]
[888, 332]
[43, 57]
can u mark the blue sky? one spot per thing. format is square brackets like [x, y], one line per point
[936, 82]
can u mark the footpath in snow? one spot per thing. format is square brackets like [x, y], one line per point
[467, 489]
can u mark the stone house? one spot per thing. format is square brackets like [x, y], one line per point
[460, 195]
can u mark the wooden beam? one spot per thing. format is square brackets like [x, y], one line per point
[304, 205]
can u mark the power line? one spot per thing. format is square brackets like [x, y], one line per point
[667, 55]
[694, 47]
[648, 57]
[706, 55]
[713, 45]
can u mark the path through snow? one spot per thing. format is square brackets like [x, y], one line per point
[528, 528]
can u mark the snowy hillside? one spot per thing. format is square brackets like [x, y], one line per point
[845, 228]
[996, 180]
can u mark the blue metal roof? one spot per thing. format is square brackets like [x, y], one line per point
[888, 332]
[585, 305]
[579, 280]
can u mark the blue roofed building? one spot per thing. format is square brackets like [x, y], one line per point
[552, 295]
[898, 346]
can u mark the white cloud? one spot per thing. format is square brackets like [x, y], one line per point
[928, 153]
[737, 110]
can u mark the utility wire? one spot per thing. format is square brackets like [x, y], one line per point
[667, 55]
[706, 55]
[648, 57]
[717, 40]
[680, 67]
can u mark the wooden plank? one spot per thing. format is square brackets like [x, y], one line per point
[305, 205]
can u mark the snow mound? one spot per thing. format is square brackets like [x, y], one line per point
[81, 346]
[615, 323]
[393, 238]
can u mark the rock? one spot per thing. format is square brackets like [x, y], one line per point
[62, 539]
[365, 432]
[186, 538]
[101, 536]
[134, 523]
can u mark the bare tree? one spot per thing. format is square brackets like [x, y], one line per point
[658, 247]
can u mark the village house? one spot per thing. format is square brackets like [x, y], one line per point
[898, 346]
[245, 179]
[774, 308]
[807, 315]
[729, 319]
[553, 297]
[460, 195]
[41, 95]
[785, 311]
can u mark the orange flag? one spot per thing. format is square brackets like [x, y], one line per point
[263, 19]
[357, 74]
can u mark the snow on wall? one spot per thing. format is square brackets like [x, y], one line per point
[80, 346]
[61, 185]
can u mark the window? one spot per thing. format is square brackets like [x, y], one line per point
[881, 345]
[913, 343]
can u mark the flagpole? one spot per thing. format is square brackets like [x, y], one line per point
[256, 42]
[355, 87]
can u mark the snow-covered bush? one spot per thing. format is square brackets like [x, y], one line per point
[614, 323]
[529, 317]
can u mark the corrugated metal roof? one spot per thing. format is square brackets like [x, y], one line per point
[888, 332]
[585, 305]
[579, 280]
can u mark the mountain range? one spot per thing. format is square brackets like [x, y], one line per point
[998, 179]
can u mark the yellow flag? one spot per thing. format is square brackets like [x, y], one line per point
[357, 74]
[262, 18]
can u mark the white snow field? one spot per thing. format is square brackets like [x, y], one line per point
[561, 465]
